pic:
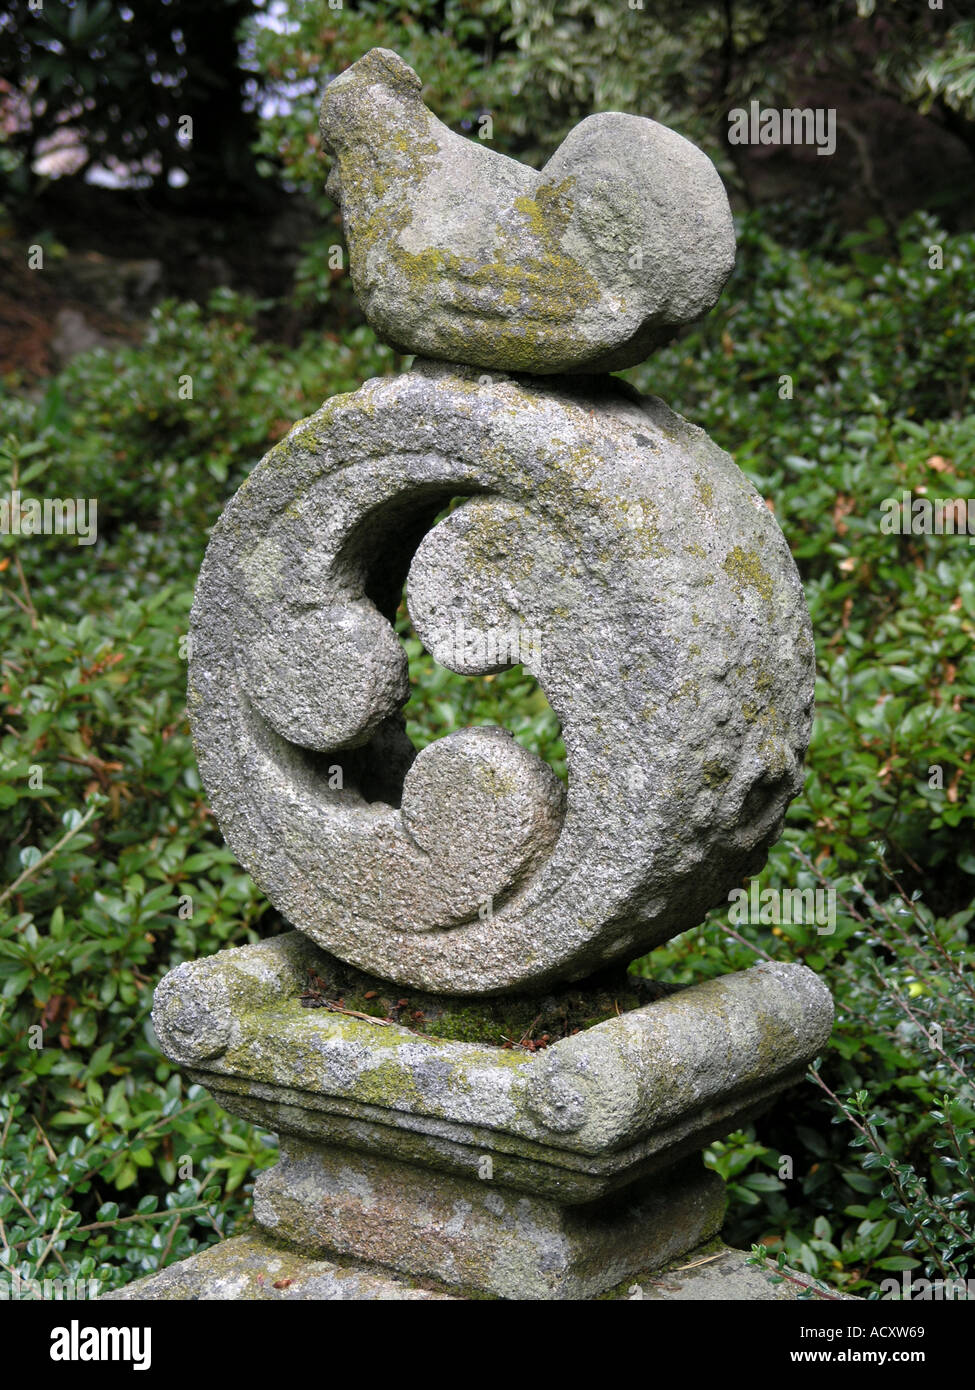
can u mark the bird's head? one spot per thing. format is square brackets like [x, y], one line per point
[377, 83]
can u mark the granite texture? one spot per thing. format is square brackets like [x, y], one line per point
[257, 1267]
[476, 1235]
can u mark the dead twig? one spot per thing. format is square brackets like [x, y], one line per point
[313, 999]
[694, 1263]
[46, 858]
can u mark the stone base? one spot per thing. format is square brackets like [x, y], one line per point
[553, 1174]
[592, 1113]
[473, 1235]
[255, 1267]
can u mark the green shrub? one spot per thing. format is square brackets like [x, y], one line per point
[886, 1185]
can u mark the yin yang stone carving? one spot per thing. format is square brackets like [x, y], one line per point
[668, 631]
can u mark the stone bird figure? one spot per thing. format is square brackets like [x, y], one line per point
[460, 253]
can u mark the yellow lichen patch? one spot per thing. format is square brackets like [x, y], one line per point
[690, 690]
[773, 752]
[746, 571]
[549, 211]
[714, 772]
[704, 490]
[764, 680]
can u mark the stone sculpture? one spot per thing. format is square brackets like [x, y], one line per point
[668, 630]
[461, 253]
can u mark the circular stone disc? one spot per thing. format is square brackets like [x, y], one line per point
[608, 546]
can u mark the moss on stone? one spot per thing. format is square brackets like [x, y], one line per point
[714, 772]
[389, 1085]
[502, 1023]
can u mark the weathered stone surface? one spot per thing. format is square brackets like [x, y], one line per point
[587, 1115]
[618, 553]
[723, 1275]
[250, 1267]
[258, 1267]
[473, 1234]
[461, 253]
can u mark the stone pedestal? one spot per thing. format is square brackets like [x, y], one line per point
[257, 1268]
[544, 1175]
[476, 1235]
